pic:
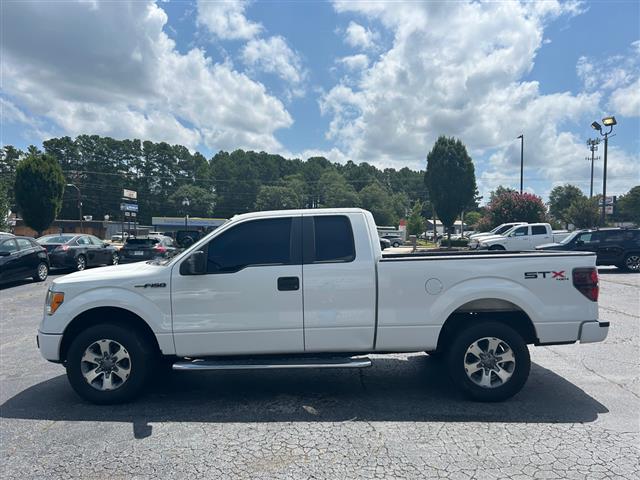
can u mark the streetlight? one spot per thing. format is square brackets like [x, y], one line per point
[79, 205]
[607, 122]
[185, 204]
[521, 137]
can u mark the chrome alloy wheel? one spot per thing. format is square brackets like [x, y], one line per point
[81, 263]
[489, 362]
[105, 365]
[115, 259]
[43, 271]
[633, 263]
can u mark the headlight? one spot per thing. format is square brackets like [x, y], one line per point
[54, 300]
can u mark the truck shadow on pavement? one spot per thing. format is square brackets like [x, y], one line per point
[413, 389]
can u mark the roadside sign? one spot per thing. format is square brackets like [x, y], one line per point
[608, 200]
[126, 214]
[128, 207]
[132, 194]
[608, 209]
[133, 214]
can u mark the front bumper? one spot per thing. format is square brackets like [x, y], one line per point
[49, 345]
[594, 331]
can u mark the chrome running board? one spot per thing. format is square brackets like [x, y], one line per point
[271, 363]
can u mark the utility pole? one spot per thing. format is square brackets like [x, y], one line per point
[592, 143]
[79, 206]
[521, 137]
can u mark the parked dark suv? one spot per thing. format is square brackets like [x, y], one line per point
[613, 246]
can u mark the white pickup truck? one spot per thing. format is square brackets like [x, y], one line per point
[311, 289]
[522, 237]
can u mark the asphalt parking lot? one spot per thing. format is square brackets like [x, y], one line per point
[578, 416]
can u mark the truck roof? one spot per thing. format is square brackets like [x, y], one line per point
[300, 211]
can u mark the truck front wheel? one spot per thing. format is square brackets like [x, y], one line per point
[489, 362]
[496, 247]
[108, 364]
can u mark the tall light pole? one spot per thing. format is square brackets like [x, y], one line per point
[592, 143]
[607, 122]
[79, 205]
[521, 137]
[185, 204]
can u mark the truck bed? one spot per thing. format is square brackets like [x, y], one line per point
[473, 254]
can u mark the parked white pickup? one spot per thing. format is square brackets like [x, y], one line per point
[311, 288]
[522, 237]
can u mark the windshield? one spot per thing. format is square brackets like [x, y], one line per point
[49, 239]
[569, 237]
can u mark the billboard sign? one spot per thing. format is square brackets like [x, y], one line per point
[132, 194]
[128, 207]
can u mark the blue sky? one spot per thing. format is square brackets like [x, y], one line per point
[367, 81]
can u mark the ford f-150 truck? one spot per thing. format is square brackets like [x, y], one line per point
[523, 237]
[311, 289]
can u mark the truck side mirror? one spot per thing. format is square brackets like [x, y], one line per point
[195, 264]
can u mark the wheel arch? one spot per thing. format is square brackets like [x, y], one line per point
[494, 309]
[100, 315]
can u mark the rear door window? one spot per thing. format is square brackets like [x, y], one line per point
[23, 243]
[84, 241]
[258, 242]
[333, 238]
[538, 230]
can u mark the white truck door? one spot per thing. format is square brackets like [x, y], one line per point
[520, 239]
[339, 280]
[540, 234]
[250, 299]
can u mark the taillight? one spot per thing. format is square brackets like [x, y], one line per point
[160, 249]
[586, 281]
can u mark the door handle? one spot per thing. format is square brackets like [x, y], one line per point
[288, 283]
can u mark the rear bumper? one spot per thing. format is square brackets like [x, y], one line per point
[49, 345]
[595, 331]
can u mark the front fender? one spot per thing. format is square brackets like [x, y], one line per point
[154, 307]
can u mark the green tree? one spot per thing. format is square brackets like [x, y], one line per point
[450, 179]
[416, 224]
[4, 208]
[201, 201]
[560, 199]
[583, 212]
[39, 188]
[472, 218]
[277, 197]
[336, 192]
[377, 200]
[628, 205]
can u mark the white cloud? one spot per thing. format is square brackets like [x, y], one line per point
[618, 76]
[226, 19]
[360, 37]
[274, 56]
[457, 68]
[355, 62]
[626, 100]
[120, 75]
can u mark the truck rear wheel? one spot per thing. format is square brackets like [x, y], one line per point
[489, 361]
[108, 364]
[496, 247]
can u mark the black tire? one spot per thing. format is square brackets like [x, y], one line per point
[631, 263]
[140, 364]
[458, 355]
[396, 244]
[496, 247]
[42, 272]
[81, 263]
